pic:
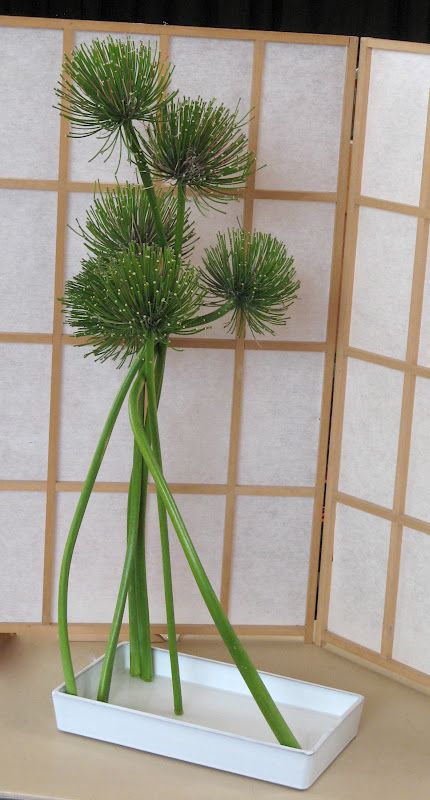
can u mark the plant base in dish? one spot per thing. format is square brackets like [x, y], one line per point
[219, 718]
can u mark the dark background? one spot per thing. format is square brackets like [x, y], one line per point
[389, 19]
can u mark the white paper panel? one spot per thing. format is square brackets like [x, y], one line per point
[359, 575]
[307, 230]
[418, 494]
[98, 558]
[207, 226]
[194, 419]
[424, 349]
[88, 391]
[194, 423]
[83, 149]
[86, 37]
[30, 64]
[301, 115]
[22, 534]
[213, 68]
[271, 560]
[99, 555]
[395, 126]
[204, 518]
[27, 245]
[280, 418]
[24, 421]
[78, 203]
[412, 629]
[370, 432]
[382, 282]
[75, 251]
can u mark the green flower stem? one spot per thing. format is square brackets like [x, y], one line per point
[164, 533]
[212, 316]
[133, 144]
[159, 368]
[97, 459]
[180, 217]
[134, 505]
[144, 630]
[138, 591]
[250, 675]
[133, 521]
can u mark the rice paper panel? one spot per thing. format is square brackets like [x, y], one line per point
[88, 391]
[86, 37]
[98, 558]
[207, 225]
[194, 415]
[307, 231]
[395, 125]
[30, 65]
[370, 432]
[280, 418]
[382, 282]
[424, 347]
[78, 205]
[359, 573]
[412, 627]
[22, 538]
[213, 68]
[301, 116]
[418, 495]
[84, 164]
[27, 244]
[204, 518]
[24, 421]
[270, 560]
[75, 250]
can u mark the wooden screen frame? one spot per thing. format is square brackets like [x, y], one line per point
[409, 367]
[63, 186]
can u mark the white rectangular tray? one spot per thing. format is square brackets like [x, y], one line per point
[222, 726]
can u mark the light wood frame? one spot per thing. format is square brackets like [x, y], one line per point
[410, 369]
[63, 186]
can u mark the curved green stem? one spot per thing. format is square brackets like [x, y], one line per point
[63, 587]
[211, 317]
[245, 666]
[159, 369]
[180, 216]
[164, 532]
[134, 505]
[141, 163]
[133, 521]
[144, 630]
[138, 595]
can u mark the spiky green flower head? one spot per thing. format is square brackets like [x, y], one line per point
[116, 304]
[254, 272]
[110, 83]
[121, 217]
[201, 146]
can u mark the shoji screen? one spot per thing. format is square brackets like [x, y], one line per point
[244, 426]
[376, 558]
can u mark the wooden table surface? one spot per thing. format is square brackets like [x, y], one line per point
[390, 758]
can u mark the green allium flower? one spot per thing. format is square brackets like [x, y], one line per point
[110, 83]
[117, 303]
[255, 273]
[122, 217]
[201, 146]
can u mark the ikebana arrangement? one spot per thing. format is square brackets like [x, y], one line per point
[136, 288]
